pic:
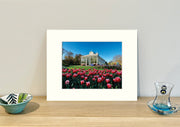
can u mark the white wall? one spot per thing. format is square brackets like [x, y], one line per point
[23, 27]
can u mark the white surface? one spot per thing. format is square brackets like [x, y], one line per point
[23, 27]
[54, 65]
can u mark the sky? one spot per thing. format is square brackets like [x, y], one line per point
[106, 50]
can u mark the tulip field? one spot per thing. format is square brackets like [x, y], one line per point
[91, 78]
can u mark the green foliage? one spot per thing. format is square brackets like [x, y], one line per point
[22, 97]
[81, 67]
[70, 60]
[99, 67]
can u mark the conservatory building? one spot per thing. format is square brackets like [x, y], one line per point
[92, 58]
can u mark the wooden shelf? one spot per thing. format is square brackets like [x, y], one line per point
[39, 112]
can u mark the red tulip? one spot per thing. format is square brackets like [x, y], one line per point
[69, 70]
[67, 82]
[99, 80]
[64, 70]
[119, 73]
[94, 72]
[63, 74]
[118, 79]
[104, 75]
[85, 78]
[111, 75]
[107, 74]
[75, 75]
[107, 80]
[82, 82]
[103, 78]
[114, 80]
[82, 77]
[87, 84]
[96, 76]
[90, 73]
[68, 75]
[94, 79]
[109, 85]
[113, 71]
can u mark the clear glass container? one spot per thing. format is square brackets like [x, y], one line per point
[162, 99]
[162, 103]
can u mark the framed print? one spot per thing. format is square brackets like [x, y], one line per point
[91, 65]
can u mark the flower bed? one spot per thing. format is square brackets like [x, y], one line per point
[91, 79]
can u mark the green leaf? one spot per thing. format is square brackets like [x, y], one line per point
[22, 96]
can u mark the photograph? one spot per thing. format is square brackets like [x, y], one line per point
[92, 65]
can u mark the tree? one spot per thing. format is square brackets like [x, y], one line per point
[69, 54]
[70, 59]
[116, 59]
[77, 59]
[64, 51]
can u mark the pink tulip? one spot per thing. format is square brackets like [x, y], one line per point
[67, 82]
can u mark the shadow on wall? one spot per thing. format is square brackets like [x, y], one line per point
[173, 77]
[38, 81]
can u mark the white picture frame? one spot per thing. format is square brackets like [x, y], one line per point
[54, 65]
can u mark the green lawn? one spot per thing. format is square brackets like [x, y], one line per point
[85, 67]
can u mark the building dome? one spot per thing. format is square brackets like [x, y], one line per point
[91, 53]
